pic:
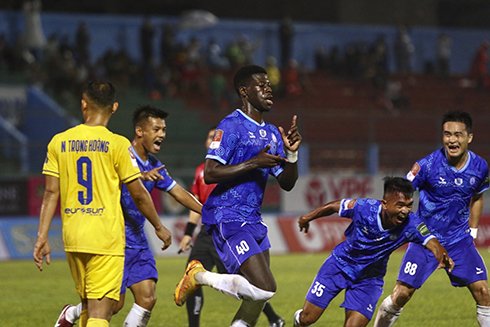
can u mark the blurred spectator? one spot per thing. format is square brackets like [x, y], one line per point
[34, 40]
[274, 74]
[404, 50]
[379, 62]
[147, 34]
[479, 67]
[286, 32]
[215, 58]
[82, 39]
[291, 79]
[235, 55]
[221, 95]
[248, 48]
[321, 59]
[334, 61]
[443, 55]
[167, 44]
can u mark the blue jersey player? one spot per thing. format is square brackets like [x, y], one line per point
[451, 182]
[140, 274]
[245, 150]
[358, 264]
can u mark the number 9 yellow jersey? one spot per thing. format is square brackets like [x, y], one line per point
[91, 163]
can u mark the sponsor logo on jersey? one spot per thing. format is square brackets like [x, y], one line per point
[413, 172]
[218, 135]
[423, 230]
[349, 204]
[85, 211]
[133, 157]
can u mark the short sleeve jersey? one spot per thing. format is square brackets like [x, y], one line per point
[199, 187]
[239, 138]
[91, 162]
[133, 218]
[367, 247]
[445, 193]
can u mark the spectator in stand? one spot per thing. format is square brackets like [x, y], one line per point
[167, 44]
[321, 58]
[404, 51]
[291, 79]
[274, 74]
[248, 48]
[235, 55]
[479, 67]
[82, 42]
[334, 61]
[443, 55]
[286, 33]
[34, 39]
[147, 34]
[214, 56]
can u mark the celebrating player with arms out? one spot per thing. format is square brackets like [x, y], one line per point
[451, 182]
[358, 264]
[244, 151]
[85, 167]
[140, 273]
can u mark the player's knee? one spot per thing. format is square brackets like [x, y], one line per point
[402, 294]
[257, 294]
[481, 293]
[117, 307]
[307, 319]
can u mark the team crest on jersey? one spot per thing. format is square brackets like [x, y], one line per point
[218, 135]
[413, 172]
[423, 230]
[349, 204]
[133, 157]
[262, 133]
[458, 181]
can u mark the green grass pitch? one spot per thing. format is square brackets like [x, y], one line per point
[33, 298]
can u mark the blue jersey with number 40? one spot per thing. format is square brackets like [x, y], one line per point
[239, 138]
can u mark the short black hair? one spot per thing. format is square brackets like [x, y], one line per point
[398, 184]
[244, 74]
[141, 114]
[100, 93]
[459, 116]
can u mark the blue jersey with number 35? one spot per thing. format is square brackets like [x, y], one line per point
[367, 247]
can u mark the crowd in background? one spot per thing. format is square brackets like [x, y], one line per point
[60, 64]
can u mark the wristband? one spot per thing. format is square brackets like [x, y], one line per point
[473, 232]
[292, 156]
[189, 228]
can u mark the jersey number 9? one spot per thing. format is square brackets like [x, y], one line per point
[84, 172]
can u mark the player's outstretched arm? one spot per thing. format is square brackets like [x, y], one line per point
[185, 198]
[322, 211]
[152, 175]
[441, 254]
[50, 201]
[216, 172]
[143, 201]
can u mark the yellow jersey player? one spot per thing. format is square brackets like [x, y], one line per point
[85, 167]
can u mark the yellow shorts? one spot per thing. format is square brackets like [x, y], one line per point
[96, 276]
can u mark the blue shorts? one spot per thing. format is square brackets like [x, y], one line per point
[139, 265]
[360, 295]
[238, 241]
[419, 263]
